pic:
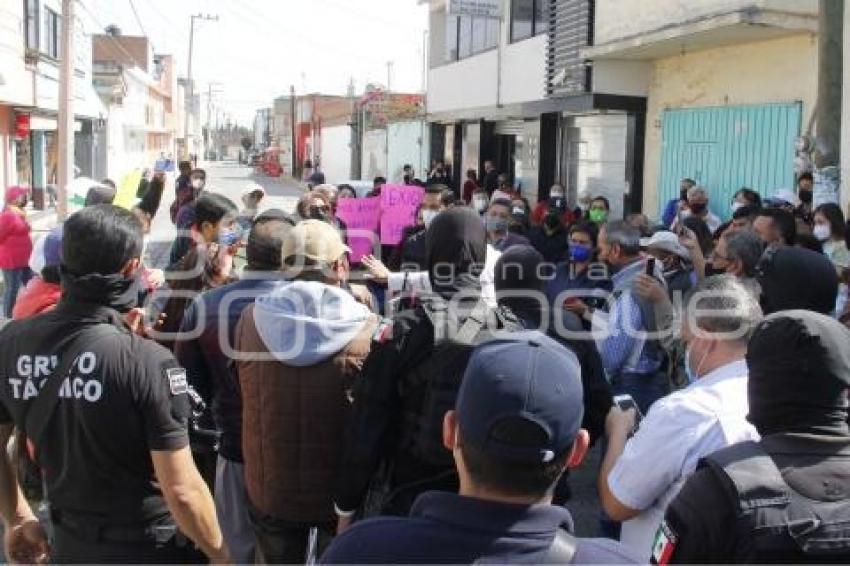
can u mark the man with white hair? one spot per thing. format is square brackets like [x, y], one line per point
[645, 467]
[698, 206]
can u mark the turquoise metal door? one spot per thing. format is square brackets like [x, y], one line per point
[726, 148]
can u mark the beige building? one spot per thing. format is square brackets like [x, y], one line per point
[729, 85]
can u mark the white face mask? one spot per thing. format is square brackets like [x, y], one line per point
[197, 184]
[428, 216]
[736, 205]
[822, 232]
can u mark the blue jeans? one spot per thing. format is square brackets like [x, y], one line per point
[13, 280]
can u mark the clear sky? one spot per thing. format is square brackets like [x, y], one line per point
[260, 47]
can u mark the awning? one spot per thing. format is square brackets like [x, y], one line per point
[740, 26]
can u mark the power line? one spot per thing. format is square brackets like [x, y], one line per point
[138, 19]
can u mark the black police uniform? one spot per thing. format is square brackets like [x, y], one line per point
[122, 397]
[378, 436]
[785, 499]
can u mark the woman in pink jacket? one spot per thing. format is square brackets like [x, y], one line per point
[15, 246]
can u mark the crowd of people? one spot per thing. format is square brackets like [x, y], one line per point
[267, 398]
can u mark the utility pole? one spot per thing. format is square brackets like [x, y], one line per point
[210, 93]
[190, 94]
[827, 154]
[292, 127]
[389, 76]
[66, 109]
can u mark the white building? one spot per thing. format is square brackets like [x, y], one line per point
[29, 93]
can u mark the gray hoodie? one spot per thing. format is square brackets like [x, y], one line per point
[305, 322]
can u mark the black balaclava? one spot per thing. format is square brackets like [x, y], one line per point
[799, 371]
[797, 278]
[517, 281]
[114, 291]
[456, 248]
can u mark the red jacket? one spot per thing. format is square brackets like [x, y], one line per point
[37, 297]
[15, 242]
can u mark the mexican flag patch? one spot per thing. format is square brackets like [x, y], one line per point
[664, 545]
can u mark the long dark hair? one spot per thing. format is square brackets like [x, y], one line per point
[833, 214]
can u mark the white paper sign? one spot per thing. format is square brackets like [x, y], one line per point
[479, 8]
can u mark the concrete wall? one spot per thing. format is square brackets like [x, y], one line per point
[781, 70]
[16, 86]
[618, 19]
[374, 158]
[408, 144]
[469, 83]
[336, 153]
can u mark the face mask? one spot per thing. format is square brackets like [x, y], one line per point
[555, 196]
[480, 204]
[579, 253]
[710, 270]
[698, 208]
[805, 197]
[316, 213]
[736, 205]
[197, 184]
[428, 216]
[228, 237]
[497, 224]
[598, 215]
[693, 374]
[821, 232]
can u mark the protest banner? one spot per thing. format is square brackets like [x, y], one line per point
[361, 217]
[398, 205]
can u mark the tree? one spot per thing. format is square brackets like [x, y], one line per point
[247, 143]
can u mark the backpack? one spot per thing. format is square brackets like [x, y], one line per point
[431, 388]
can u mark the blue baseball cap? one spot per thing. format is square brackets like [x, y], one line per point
[53, 247]
[521, 398]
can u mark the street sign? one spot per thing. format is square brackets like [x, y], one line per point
[478, 8]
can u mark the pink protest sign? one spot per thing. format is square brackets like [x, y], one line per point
[361, 217]
[398, 205]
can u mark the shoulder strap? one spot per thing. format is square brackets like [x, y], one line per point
[41, 410]
[563, 548]
[753, 473]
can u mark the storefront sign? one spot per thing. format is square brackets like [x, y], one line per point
[477, 8]
[22, 126]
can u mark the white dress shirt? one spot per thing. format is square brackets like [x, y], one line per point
[679, 430]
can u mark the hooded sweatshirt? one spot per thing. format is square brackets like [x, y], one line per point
[305, 323]
[308, 341]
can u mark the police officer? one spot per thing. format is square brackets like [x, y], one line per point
[105, 415]
[515, 428]
[786, 498]
[410, 378]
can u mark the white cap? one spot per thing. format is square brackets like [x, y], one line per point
[668, 242]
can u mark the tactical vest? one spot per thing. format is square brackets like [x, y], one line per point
[776, 524]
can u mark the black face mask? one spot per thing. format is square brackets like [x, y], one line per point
[710, 270]
[698, 208]
[317, 213]
[805, 197]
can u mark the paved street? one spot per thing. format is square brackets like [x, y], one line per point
[227, 178]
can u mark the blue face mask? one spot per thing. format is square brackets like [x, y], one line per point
[496, 224]
[579, 253]
[228, 237]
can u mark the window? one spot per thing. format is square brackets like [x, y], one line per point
[52, 32]
[469, 35]
[31, 23]
[529, 18]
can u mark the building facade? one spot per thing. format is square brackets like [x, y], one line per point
[138, 89]
[729, 85]
[29, 94]
[508, 85]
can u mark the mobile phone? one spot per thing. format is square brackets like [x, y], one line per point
[626, 402]
[650, 266]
